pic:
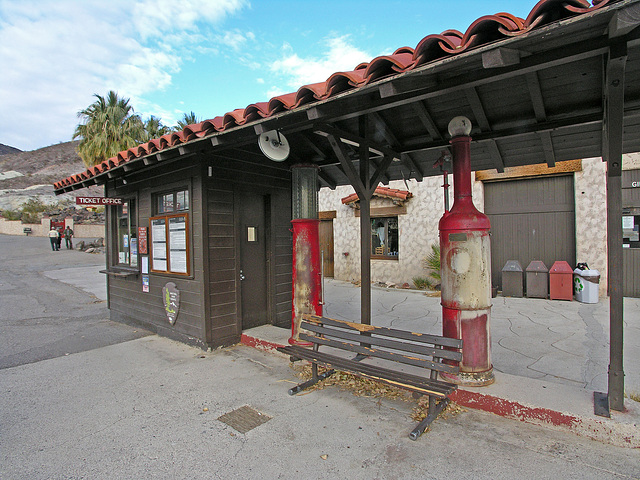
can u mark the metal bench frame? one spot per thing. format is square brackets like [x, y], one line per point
[389, 348]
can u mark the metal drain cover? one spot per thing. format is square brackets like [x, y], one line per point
[244, 419]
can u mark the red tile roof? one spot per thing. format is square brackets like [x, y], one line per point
[484, 30]
[381, 192]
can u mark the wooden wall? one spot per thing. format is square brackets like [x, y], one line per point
[230, 176]
[127, 302]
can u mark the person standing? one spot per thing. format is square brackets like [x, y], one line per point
[68, 235]
[53, 238]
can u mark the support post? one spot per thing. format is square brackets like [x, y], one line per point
[614, 119]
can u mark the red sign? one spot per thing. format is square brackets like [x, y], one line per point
[93, 201]
[142, 241]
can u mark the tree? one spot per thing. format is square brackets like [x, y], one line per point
[153, 128]
[187, 119]
[109, 125]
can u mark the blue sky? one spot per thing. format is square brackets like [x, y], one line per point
[205, 56]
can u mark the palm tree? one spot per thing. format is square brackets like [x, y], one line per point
[187, 119]
[108, 126]
[153, 128]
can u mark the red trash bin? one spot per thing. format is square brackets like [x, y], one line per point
[561, 281]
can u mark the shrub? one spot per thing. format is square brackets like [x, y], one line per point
[431, 263]
[422, 283]
[10, 214]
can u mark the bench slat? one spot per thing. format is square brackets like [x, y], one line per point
[394, 357]
[389, 332]
[426, 386]
[420, 349]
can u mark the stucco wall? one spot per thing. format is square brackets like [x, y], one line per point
[418, 229]
[16, 227]
[590, 187]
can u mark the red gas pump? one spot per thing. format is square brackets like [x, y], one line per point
[465, 256]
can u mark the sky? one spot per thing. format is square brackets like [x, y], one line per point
[203, 56]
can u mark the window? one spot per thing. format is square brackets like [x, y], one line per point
[172, 202]
[630, 231]
[384, 237]
[170, 233]
[126, 230]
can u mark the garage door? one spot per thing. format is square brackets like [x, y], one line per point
[531, 219]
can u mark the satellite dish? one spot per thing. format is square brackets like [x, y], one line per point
[274, 145]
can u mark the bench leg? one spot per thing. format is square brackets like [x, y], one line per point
[315, 379]
[434, 411]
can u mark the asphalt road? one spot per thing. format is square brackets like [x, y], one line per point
[81, 397]
[44, 318]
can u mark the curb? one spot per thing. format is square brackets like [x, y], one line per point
[620, 433]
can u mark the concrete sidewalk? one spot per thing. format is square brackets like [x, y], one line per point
[548, 356]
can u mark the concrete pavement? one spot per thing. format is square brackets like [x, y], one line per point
[148, 407]
[548, 356]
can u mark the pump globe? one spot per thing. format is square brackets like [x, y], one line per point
[459, 126]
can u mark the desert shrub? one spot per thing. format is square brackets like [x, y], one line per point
[10, 214]
[422, 283]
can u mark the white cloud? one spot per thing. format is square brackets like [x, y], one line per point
[339, 55]
[154, 18]
[56, 55]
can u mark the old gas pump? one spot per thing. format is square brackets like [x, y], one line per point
[465, 256]
[307, 270]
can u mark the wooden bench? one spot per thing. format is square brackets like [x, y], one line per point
[382, 354]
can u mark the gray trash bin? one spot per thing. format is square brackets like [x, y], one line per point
[537, 280]
[512, 279]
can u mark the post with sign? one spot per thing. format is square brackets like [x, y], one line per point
[98, 201]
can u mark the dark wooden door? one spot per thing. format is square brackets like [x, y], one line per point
[531, 220]
[254, 285]
[326, 246]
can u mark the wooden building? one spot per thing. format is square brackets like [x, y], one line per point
[562, 84]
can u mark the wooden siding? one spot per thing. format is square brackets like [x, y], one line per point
[531, 220]
[631, 278]
[229, 176]
[126, 299]
[631, 256]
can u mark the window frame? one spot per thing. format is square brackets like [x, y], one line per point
[166, 217]
[132, 233]
[385, 219]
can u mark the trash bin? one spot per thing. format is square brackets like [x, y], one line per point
[586, 285]
[561, 281]
[512, 279]
[537, 280]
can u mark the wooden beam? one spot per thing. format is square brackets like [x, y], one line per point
[496, 156]
[614, 112]
[329, 130]
[547, 146]
[478, 110]
[535, 92]
[309, 142]
[388, 134]
[340, 151]
[379, 174]
[624, 20]
[500, 57]
[326, 178]
[421, 111]
[413, 167]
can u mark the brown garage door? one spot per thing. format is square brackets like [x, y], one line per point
[531, 219]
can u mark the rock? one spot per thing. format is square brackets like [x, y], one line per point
[90, 250]
[405, 286]
[80, 245]
[390, 284]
